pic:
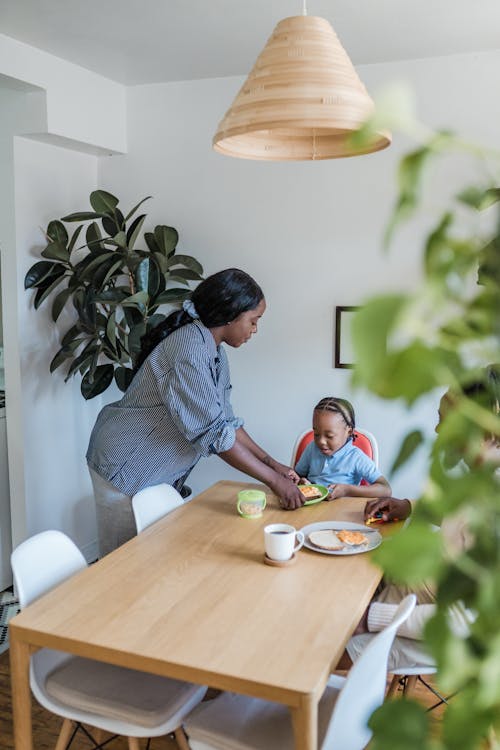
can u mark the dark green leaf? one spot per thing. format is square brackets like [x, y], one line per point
[185, 274]
[111, 329]
[70, 334]
[176, 294]
[185, 260]
[151, 242]
[94, 238]
[103, 202]
[132, 212]
[43, 291]
[166, 238]
[41, 272]
[134, 338]
[110, 296]
[123, 377]
[102, 378]
[92, 263]
[410, 444]
[133, 231]
[133, 316]
[83, 360]
[56, 251]
[139, 300]
[115, 223]
[82, 216]
[64, 353]
[105, 273]
[56, 232]
[74, 239]
[59, 302]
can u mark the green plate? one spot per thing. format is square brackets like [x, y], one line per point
[324, 493]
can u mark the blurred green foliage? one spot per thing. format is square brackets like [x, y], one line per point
[441, 336]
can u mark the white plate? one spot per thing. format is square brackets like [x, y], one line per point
[374, 537]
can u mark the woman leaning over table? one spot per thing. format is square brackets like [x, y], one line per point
[177, 408]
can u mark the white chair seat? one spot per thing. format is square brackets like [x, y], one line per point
[115, 699]
[235, 722]
[130, 698]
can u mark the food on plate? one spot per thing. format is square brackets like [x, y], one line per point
[352, 538]
[309, 491]
[378, 518]
[325, 539]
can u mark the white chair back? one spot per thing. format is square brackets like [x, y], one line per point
[364, 688]
[42, 562]
[152, 503]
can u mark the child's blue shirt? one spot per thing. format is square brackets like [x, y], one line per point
[348, 465]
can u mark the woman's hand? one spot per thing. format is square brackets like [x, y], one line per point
[282, 469]
[290, 498]
[384, 509]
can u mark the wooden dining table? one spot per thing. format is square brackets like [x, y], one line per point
[191, 598]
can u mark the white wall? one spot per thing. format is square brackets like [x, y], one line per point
[51, 182]
[49, 101]
[82, 107]
[310, 233]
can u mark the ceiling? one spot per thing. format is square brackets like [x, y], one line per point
[150, 41]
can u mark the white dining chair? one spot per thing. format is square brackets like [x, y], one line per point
[152, 503]
[407, 678]
[236, 722]
[108, 698]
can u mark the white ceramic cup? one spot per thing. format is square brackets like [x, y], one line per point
[279, 541]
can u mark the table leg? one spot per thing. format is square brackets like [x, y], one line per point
[19, 652]
[305, 724]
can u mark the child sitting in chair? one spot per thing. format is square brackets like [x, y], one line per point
[333, 460]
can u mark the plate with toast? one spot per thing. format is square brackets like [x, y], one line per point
[313, 493]
[340, 538]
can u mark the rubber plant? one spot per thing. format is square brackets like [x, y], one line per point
[409, 346]
[115, 283]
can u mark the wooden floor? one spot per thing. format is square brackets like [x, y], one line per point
[46, 726]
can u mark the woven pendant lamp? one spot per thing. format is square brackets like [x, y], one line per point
[302, 99]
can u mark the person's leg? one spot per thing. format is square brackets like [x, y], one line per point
[115, 518]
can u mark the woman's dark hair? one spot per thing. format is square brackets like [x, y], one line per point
[218, 300]
[340, 405]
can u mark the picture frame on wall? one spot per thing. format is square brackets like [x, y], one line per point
[344, 353]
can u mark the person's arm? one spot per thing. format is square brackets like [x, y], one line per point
[240, 457]
[379, 488]
[380, 615]
[286, 471]
[387, 509]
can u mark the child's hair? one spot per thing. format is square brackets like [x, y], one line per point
[339, 405]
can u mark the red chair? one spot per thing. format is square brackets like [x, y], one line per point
[365, 441]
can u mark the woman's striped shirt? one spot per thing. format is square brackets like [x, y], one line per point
[176, 410]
